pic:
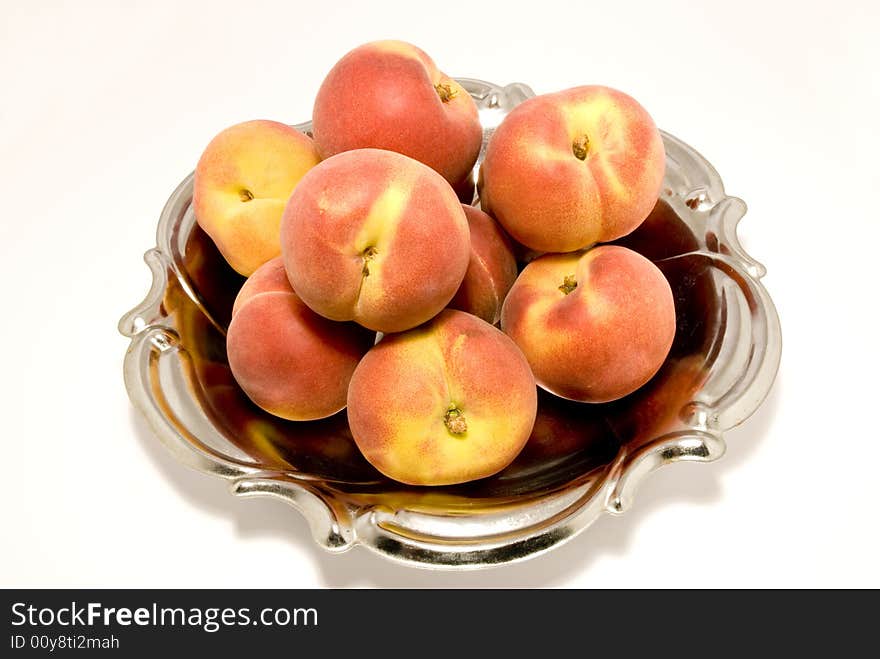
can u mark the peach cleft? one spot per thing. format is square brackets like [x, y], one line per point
[375, 237]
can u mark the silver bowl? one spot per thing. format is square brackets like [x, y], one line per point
[582, 460]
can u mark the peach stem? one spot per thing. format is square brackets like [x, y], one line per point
[445, 92]
[455, 421]
[568, 284]
[368, 255]
[581, 147]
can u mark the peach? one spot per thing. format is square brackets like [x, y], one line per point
[448, 402]
[375, 237]
[566, 170]
[390, 95]
[595, 326]
[290, 361]
[243, 181]
[491, 270]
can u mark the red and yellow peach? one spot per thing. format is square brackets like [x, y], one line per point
[566, 170]
[448, 402]
[242, 183]
[390, 95]
[290, 361]
[375, 237]
[595, 325]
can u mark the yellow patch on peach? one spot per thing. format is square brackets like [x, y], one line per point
[397, 47]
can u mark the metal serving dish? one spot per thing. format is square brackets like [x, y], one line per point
[582, 460]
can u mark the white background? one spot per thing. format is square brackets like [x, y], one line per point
[105, 107]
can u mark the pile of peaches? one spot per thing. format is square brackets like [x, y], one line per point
[372, 287]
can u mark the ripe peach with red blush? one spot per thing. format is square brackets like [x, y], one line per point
[450, 401]
[391, 95]
[375, 237]
[595, 325]
[290, 361]
[566, 170]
